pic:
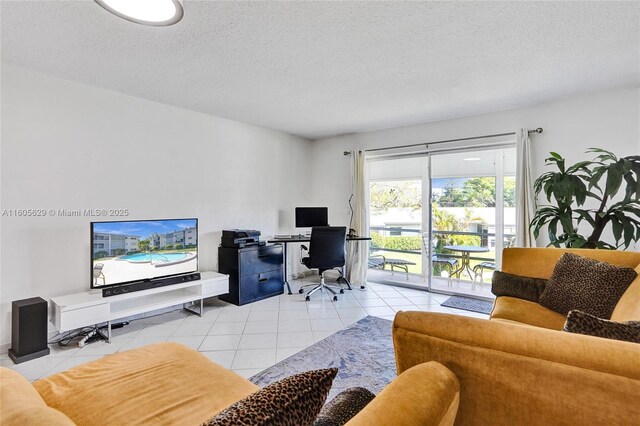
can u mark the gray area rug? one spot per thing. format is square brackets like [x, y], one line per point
[468, 304]
[362, 352]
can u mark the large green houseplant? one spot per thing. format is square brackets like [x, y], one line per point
[569, 189]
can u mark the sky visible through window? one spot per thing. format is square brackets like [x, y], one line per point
[145, 228]
[443, 182]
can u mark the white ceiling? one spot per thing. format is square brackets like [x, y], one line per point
[317, 69]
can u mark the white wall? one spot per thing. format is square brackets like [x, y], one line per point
[70, 146]
[608, 119]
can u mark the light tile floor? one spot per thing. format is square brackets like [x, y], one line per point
[250, 338]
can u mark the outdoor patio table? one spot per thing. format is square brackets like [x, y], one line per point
[465, 252]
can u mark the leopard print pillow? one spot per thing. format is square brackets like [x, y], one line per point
[587, 285]
[583, 323]
[292, 401]
[527, 288]
[343, 407]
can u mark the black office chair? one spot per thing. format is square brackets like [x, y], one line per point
[326, 251]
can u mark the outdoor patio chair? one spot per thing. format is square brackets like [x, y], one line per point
[378, 261]
[97, 273]
[478, 270]
[451, 263]
[401, 264]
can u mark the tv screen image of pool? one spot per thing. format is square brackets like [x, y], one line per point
[130, 251]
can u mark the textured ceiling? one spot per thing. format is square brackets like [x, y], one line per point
[317, 69]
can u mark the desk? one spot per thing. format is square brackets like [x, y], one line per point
[466, 251]
[302, 239]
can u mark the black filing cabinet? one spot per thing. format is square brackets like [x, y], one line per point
[255, 272]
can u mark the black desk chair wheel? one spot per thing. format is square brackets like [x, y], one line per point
[326, 252]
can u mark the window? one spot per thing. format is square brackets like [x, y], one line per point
[456, 206]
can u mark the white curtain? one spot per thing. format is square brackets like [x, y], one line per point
[525, 201]
[358, 251]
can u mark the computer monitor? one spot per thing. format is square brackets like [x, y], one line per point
[308, 217]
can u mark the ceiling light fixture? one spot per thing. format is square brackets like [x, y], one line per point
[473, 159]
[158, 13]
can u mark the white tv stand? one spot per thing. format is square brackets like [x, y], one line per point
[90, 308]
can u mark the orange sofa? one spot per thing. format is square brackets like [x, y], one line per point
[170, 384]
[519, 368]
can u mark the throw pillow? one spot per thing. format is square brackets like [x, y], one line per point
[295, 400]
[343, 407]
[583, 323]
[527, 288]
[587, 285]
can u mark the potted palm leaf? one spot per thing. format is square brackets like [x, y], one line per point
[601, 193]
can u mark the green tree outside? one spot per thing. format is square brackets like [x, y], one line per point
[395, 194]
[477, 192]
[144, 245]
[474, 192]
[445, 221]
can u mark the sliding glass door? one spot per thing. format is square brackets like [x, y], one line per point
[397, 218]
[473, 216]
[441, 219]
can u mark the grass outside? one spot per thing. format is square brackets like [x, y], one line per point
[182, 250]
[417, 259]
[103, 258]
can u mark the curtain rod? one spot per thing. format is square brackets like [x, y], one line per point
[537, 130]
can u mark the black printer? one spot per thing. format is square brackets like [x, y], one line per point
[239, 238]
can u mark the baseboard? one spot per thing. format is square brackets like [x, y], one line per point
[439, 291]
[4, 347]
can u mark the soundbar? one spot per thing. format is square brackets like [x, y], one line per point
[146, 285]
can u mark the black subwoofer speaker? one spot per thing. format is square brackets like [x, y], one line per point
[28, 329]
